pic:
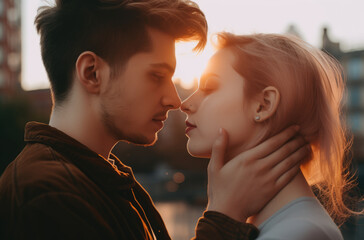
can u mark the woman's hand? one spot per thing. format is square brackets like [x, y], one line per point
[245, 184]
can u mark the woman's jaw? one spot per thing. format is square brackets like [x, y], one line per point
[237, 143]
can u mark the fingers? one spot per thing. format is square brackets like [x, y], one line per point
[284, 152]
[217, 160]
[284, 172]
[274, 143]
[287, 177]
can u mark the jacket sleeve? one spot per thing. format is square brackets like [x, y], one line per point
[60, 216]
[217, 226]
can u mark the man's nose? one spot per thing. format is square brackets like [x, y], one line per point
[171, 98]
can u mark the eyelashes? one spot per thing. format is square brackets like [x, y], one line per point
[158, 77]
[208, 85]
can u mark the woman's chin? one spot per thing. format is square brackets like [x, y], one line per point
[197, 152]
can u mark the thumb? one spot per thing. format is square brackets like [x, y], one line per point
[217, 160]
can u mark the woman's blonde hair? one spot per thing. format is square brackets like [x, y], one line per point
[311, 86]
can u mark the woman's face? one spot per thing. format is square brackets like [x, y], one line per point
[219, 102]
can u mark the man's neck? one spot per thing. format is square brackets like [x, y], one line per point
[81, 127]
[297, 188]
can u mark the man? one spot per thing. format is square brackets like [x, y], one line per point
[110, 64]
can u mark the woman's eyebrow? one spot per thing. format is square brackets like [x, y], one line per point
[207, 75]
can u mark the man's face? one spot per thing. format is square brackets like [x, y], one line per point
[135, 102]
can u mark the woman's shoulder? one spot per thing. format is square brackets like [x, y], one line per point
[303, 218]
[302, 229]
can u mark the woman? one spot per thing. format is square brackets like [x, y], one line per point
[257, 85]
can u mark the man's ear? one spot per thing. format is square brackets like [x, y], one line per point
[266, 104]
[88, 67]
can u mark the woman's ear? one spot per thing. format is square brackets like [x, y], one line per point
[266, 104]
[88, 67]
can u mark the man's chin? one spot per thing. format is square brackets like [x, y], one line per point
[151, 142]
[143, 140]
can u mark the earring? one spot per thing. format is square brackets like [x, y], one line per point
[257, 118]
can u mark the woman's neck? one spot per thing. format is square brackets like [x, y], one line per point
[297, 188]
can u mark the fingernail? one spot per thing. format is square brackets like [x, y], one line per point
[220, 130]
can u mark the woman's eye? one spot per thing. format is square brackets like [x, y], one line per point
[208, 86]
[205, 89]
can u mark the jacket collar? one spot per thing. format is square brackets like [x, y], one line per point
[93, 165]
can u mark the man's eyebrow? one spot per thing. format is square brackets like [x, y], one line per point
[163, 65]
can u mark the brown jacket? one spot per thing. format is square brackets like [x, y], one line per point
[57, 188]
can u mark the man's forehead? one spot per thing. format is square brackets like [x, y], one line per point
[162, 44]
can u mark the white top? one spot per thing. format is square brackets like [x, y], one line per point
[302, 219]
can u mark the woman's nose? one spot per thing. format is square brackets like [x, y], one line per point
[187, 106]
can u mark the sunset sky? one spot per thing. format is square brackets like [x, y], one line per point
[344, 19]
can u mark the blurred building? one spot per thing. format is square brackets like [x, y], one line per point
[353, 65]
[10, 61]
[293, 30]
[10, 47]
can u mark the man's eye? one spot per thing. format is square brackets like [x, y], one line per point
[158, 77]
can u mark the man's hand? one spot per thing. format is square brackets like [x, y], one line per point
[245, 184]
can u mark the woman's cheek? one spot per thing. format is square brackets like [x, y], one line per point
[202, 139]
[212, 130]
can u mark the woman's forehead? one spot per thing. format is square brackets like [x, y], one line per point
[222, 60]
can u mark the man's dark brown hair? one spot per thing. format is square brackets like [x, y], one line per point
[115, 30]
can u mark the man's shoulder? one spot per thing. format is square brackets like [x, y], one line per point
[39, 162]
[38, 170]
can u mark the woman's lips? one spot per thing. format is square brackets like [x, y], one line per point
[189, 127]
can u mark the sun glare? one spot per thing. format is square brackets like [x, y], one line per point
[33, 73]
[190, 65]
[240, 17]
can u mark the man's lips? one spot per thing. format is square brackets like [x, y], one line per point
[189, 126]
[160, 119]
